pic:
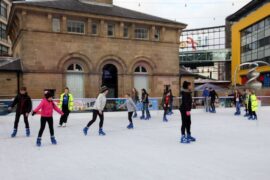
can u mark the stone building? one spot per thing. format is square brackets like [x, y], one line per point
[83, 44]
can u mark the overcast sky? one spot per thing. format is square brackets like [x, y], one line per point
[195, 13]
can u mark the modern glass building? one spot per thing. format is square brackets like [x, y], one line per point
[250, 40]
[202, 51]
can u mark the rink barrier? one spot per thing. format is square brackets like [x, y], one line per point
[86, 104]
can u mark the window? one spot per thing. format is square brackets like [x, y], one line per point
[110, 30]
[3, 9]
[3, 32]
[141, 69]
[157, 34]
[141, 33]
[75, 68]
[94, 29]
[3, 50]
[76, 26]
[126, 35]
[56, 25]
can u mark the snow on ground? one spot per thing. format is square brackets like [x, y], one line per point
[228, 148]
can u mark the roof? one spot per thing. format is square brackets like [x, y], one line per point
[248, 8]
[106, 10]
[10, 64]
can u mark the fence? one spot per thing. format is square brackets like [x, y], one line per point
[84, 105]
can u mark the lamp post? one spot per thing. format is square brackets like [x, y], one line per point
[252, 74]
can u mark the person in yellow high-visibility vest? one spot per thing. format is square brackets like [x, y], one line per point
[66, 105]
[254, 105]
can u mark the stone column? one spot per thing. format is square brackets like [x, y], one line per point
[64, 24]
[102, 28]
[50, 22]
[24, 20]
[121, 30]
[133, 31]
[89, 27]
[152, 33]
[163, 33]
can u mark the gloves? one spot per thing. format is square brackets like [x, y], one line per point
[33, 113]
[188, 113]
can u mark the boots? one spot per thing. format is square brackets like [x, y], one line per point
[53, 140]
[85, 130]
[184, 140]
[28, 132]
[130, 126]
[14, 133]
[101, 132]
[38, 143]
[165, 119]
[190, 138]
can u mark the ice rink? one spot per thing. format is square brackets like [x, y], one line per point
[227, 148]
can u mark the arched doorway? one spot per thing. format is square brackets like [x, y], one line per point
[141, 79]
[110, 79]
[75, 80]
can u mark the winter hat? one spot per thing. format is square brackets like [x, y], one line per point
[186, 84]
[48, 95]
[23, 89]
[103, 89]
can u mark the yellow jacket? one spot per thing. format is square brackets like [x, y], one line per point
[254, 102]
[70, 101]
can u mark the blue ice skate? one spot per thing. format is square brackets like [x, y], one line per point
[85, 130]
[38, 143]
[135, 115]
[53, 140]
[130, 126]
[184, 140]
[254, 118]
[142, 117]
[27, 132]
[165, 119]
[190, 138]
[101, 132]
[14, 133]
[250, 117]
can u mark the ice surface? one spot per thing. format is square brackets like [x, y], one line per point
[228, 148]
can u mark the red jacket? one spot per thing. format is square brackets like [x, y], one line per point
[47, 108]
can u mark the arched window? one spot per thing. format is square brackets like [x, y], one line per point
[140, 70]
[75, 68]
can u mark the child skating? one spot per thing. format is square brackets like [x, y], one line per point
[98, 109]
[131, 107]
[66, 105]
[166, 102]
[254, 106]
[46, 106]
[24, 107]
[145, 107]
[185, 109]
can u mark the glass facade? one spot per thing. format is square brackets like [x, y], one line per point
[255, 42]
[3, 50]
[3, 31]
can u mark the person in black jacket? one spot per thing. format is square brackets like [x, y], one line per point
[166, 103]
[145, 108]
[24, 107]
[185, 109]
[213, 95]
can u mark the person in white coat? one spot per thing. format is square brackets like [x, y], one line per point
[98, 109]
[131, 107]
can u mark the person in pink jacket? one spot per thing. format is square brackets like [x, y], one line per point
[46, 106]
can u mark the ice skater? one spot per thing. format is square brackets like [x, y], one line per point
[246, 98]
[170, 111]
[145, 103]
[131, 107]
[98, 109]
[136, 100]
[206, 98]
[66, 105]
[237, 102]
[46, 106]
[213, 95]
[166, 103]
[253, 105]
[24, 107]
[185, 110]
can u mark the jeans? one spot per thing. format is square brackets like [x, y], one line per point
[238, 107]
[145, 109]
[206, 104]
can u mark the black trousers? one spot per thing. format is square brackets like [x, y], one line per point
[64, 117]
[186, 123]
[166, 108]
[101, 117]
[254, 113]
[212, 104]
[130, 116]
[43, 122]
[17, 119]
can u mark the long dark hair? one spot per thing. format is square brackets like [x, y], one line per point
[135, 92]
[144, 91]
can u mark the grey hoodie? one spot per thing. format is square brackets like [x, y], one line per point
[131, 107]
